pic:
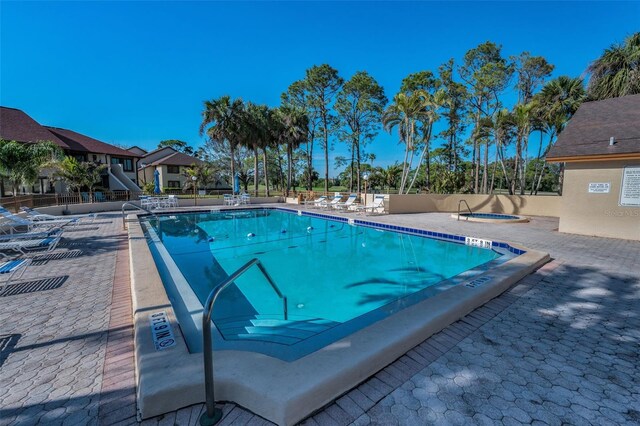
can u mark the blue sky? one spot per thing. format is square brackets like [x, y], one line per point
[137, 73]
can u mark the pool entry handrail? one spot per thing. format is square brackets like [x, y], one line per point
[466, 204]
[129, 203]
[212, 415]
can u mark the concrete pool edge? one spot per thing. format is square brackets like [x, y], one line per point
[285, 392]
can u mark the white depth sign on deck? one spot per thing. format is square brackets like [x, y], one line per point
[161, 331]
[478, 242]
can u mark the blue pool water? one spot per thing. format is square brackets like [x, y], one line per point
[330, 272]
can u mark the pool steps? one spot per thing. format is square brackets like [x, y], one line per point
[271, 328]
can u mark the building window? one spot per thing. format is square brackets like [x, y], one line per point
[173, 169]
[127, 163]
[173, 184]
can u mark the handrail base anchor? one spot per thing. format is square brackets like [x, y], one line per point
[205, 420]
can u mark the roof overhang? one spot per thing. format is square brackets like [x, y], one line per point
[590, 158]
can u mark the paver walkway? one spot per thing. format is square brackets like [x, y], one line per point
[561, 347]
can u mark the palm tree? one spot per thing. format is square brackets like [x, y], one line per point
[204, 174]
[558, 100]
[617, 71]
[522, 118]
[294, 130]
[428, 118]
[220, 121]
[405, 112]
[77, 174]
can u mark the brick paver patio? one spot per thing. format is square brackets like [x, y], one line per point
[561, 347]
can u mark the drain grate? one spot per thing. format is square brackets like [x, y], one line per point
[43, 259]
[34, 286]
[7, 343]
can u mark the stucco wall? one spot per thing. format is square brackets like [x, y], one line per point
[587, 213]
[528, 205]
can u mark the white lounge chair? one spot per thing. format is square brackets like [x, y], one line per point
[317, 202]
[14, 222]
[43, 217]
[25, 246]
[347, 203]
[376, 207]
[329, 204]
[10, 267]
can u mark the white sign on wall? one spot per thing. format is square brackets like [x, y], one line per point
[630, 189]
[599, 187]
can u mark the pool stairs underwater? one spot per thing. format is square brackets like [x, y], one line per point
[272, 328]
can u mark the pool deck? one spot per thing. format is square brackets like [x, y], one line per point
[559, 347]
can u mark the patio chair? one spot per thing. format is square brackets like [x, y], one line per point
[99, 197]
[345, 206]
[376, 207]
[43, 217]
[15, 222]
[10, 267]
[51, 232]
[172, 201]
[85, 197]
[317, 202]
[335, 200]
[245, 198]
[229, 200]
[26, 246]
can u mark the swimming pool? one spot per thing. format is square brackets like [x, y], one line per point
[285, 369]
[336, 277]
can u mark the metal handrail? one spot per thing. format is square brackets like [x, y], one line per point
[468, 208]
[212, 415]
[124, 223]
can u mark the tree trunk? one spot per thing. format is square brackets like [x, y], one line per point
[353, 159]
[504, 170]
[404, 164]
[256, 173]
[289, 168]
[476, 153]
[493, 172]
[310, 160]
[424, 152]
[326, 153]
[561, 178]
[358, 170]
[233, 165]
[485, 168]
[266, 170]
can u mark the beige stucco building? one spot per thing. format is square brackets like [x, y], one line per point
[600, 148]
[171, 166]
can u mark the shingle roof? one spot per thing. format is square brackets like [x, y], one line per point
[79, 142]
[177, 159]
[588, 132]
[16, 125]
